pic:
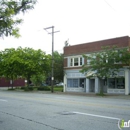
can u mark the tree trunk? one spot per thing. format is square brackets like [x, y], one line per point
[102, 88]
[28, 78]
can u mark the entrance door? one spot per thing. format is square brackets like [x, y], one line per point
[82, 83]
[92, 85]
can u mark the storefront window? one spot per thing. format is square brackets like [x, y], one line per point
[75, 83]
[116, 83]
[121, 83]
[72, 83]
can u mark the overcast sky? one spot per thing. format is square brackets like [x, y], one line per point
[80, 21]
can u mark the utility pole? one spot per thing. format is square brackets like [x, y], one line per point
[52, 65]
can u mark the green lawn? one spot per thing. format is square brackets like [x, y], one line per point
[58, 88]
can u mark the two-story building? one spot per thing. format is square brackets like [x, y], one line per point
[75, 81]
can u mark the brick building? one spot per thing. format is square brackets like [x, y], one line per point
[78, 82]
[7, 83]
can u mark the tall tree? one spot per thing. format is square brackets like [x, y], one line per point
[10, 64]
[58, 66]
[8, 11]
[24, 62]
[34, 62]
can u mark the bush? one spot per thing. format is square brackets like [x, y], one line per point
[43, 88]
[28, 88]
[22, 88]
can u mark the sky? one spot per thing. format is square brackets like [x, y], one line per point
[79, 21]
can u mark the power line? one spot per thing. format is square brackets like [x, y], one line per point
[109, 5]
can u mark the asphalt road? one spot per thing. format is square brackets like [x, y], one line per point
[37, 111]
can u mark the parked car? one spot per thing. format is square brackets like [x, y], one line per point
[60, 84]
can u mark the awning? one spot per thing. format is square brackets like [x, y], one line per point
[90, 73]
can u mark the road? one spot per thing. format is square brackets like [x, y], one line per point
[37, 111]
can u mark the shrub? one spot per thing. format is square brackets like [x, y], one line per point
[40, 88]
[28, 88]
[22, 87]
[43, 88]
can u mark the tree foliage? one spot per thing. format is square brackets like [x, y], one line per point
[58, 66]
[24, 62]
[107, 62]
[8, 11]
[38, 79]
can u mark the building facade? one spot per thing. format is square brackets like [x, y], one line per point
[75, 81]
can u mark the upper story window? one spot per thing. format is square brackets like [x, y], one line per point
[75, 61]
[81, 61]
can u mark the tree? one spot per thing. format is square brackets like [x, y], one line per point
[34, 62]
[24, 62]
[8, 11]
[58, 66]
[106, 63]
[125, 57]
[38, 79]
[9, 64]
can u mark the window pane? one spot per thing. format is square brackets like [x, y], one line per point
[75, 61]
[71, 61]
[111, 83]
[81, 61]
[72, 83]
[69, 82]
[75, 82]
[121, 83]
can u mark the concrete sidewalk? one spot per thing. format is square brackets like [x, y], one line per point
[115, 96]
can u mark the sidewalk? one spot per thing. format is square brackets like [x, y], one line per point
[115, 96]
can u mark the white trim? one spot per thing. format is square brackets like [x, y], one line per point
[68, 60]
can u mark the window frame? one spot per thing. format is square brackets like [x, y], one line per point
[76, 61]
[76, 83]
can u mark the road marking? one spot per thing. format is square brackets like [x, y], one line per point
[87, 114]
[2, 100]
[100, 116]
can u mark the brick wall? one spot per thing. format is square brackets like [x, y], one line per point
[6, 83]
[65, 62]
[95, 46]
